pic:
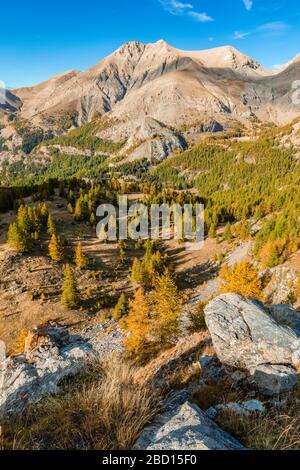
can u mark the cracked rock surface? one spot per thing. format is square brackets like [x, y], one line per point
[185, 428]
[247, 338]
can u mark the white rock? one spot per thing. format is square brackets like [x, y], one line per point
[185, 428]
[248, 340]
[242, 409]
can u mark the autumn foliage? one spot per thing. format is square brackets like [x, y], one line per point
[138, 323]
[242, 279]
[80, 258]
[55, 249]
[153, 318]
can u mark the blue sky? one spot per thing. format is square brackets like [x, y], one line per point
[40, 39]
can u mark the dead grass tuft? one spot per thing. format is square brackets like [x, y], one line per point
[271, 432]
[213, 394]
[277, 430]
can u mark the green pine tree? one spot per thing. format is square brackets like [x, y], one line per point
[121, 309]
[70, 296]
[80, 259]
[51, 225]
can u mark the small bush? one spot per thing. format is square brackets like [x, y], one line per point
[121, 309]
[197, 319]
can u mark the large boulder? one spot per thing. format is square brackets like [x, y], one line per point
[286, 315]
[252, 344]
[185, 428]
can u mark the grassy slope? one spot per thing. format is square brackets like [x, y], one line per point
[85, 138]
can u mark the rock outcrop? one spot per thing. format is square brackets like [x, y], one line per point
[158, 141]
[9, 103]
[252, 345]
[50, 354]
[286, 315]
[185, 428]
[2, 352]
[212, 370]
[282, 283]
[145, 138]
[209, 126]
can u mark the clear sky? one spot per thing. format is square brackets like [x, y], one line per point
[39, 39]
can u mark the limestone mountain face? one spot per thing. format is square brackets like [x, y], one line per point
[150, 91]
[167, 84]
[9, 103]
[227, 57]
[274, 97]
[145, 138]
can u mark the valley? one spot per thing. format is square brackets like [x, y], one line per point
[142, 335]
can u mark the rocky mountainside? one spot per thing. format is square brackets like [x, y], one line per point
[12, 103]
[172, 86]
[257, 353]
[148, 93]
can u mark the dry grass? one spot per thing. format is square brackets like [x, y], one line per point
[177, 364]
[184, 376]
[213, 394]
[197, 319]
[277, 430]
[104, 409]
[272, 432]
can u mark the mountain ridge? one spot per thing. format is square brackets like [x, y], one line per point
[158, 84]
[134, 65]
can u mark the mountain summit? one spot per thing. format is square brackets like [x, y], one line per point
[172, 86]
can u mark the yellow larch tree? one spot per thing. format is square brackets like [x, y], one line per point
[137, 323]
[70, 296]
[243, 279]
[166, 303]
[55, 249]
[80, 258]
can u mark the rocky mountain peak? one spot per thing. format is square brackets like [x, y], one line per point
[228, 57]
[131, 47]
[157, 80]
